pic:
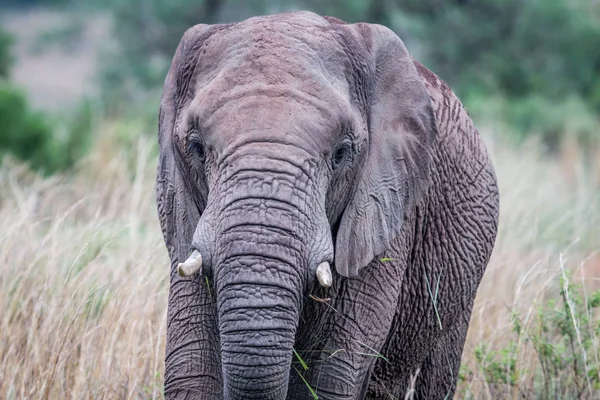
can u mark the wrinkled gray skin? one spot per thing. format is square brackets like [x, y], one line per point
[293, 139]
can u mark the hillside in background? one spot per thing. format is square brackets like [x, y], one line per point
[56, 54]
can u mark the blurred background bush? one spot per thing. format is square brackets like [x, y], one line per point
[533, 65]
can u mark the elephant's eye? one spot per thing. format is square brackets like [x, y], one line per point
[195, 148]
[341, 154]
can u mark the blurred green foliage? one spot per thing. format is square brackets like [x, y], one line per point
[533, 64]
[148, 32]
[25, 133]
[534, 115]
[538, 55]
[33, 136]
[508, 47]
[29, 3]
[512, 47]
[36, 138]
[5, 56]
[66, 37]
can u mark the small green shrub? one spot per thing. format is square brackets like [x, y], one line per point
[34, 137]
[25, 133]
[564, 338]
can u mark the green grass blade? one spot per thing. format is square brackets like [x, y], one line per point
[310, 389]
[375, 352]
[300, 359]
[208, 285]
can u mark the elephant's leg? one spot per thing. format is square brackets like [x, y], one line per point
[193, 367]
[341, 338]
[439, 372]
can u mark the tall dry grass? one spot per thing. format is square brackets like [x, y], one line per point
[549, 231]
[83, 280]
[83, 269]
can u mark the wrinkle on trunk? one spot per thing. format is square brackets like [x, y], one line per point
[260, 280]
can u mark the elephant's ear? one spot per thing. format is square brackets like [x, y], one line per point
[178, 207]
[395, 173]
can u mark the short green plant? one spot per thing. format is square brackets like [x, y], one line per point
[564, 338]
[45, 144]
[25, 133]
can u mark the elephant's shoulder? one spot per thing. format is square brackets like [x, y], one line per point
[432, 82]
[446, 106]
[452, 120]
[458, 142]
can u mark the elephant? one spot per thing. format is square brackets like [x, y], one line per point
[328, 208]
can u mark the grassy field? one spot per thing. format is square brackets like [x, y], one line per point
[83, 282]
[83, 273]
[549, 237]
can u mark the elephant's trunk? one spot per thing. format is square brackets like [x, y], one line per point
[260, 279]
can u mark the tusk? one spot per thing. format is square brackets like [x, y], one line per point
[324, 274]
[192, 265]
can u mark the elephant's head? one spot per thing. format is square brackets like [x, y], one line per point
[286, 142]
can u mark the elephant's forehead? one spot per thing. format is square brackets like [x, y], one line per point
[269, 112]
[295, 50]
[272, 75]
[302, 35]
